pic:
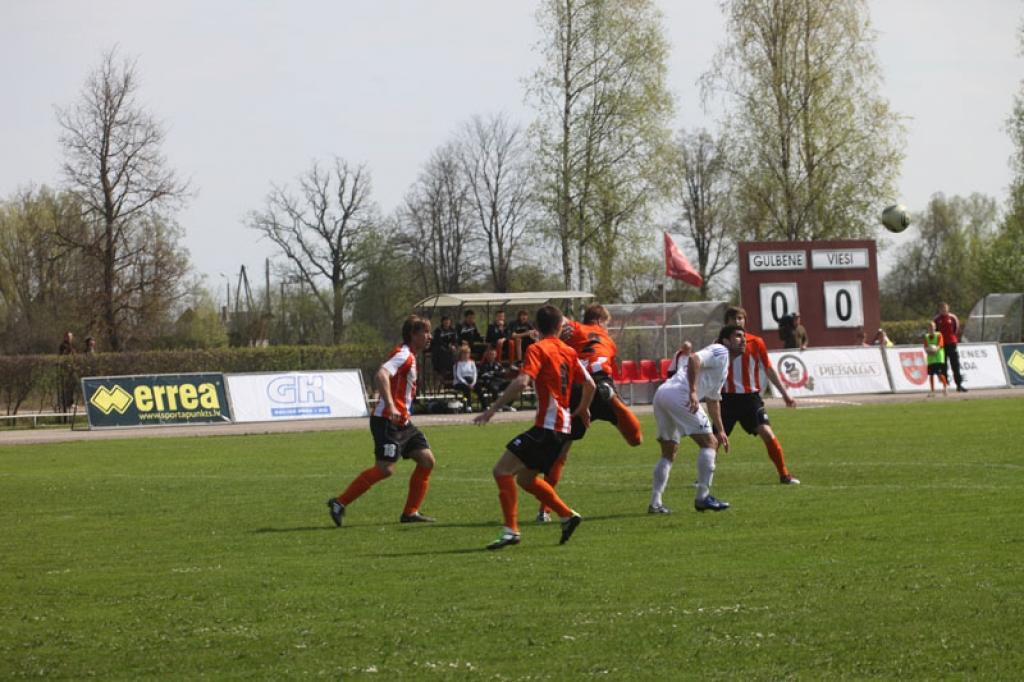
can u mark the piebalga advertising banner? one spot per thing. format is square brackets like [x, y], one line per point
[831, 371]
[1013, 355]
[296, 395]
[156, 400]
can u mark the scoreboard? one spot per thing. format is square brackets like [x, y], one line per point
[832, 284]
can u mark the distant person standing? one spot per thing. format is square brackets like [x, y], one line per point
[948, 325]
[66, 374]
[394, 436]
[792, 332]
[936, 353]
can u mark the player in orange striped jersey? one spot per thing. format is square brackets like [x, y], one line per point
[394, 435]
[554, 368]
[597, 351]
[741, 395]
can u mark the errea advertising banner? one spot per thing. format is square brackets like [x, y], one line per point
[1013, 356]
[155, 400]
[831, 371]
[296, 395]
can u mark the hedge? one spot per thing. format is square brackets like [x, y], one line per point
[34, 381]
[904, 332]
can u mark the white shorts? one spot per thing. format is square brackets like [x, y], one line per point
[673, 416]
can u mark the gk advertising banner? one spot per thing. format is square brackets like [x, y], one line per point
[1013, 356]
[831, 371]
[155, 400]
[296, 395]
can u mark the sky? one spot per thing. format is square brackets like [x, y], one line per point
[252, 92]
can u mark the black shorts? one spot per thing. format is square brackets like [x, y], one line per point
[937, 369]
[538, 448]
[392, 442]
[600, 406]
[745, 408]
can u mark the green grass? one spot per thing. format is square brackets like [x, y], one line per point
[900, 556]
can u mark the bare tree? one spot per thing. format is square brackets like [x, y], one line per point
[494, 160]
[704, 196]
[116, 171]
[438, 220]
[324, 232]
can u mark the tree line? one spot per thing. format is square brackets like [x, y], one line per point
[806, 148]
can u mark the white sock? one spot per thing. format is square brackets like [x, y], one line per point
[662, 469]
[705, 472]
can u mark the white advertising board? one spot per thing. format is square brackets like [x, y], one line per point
[296, 395]
[981, 366]
[831, 371]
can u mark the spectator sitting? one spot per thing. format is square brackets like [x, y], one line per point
[491, 378]
[469, 334]
[498, 333]
[442, 347]
[465, 377]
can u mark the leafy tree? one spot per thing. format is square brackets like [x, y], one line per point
[817, 148]
[602, 130]
[1004, 270]
[947, 263]
[325, 233]
[118, 176]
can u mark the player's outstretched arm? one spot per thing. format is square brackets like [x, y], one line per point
[508, 395]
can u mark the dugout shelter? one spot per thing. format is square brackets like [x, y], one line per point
[996, 317]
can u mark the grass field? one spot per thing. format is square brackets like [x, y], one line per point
[900, 556]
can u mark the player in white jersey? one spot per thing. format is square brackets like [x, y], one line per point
[678, 412]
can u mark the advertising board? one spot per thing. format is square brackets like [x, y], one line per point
[278, 396]
[155, 400]
[831, 371]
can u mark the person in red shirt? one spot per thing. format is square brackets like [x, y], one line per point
[948, 325]
[741, 395]
[554, 368]
[394, 435]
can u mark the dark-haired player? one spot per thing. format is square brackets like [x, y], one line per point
[678, 412]
[554, 368]
[394, 436]
[741, 395]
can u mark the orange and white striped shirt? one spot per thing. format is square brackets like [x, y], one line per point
[745, 370]
[401, 365]
[554, 368]
[593, 344]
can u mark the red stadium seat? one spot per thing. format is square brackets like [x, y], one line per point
[649, 371]
[665, 364]
[627, 372]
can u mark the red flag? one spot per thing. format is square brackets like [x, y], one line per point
[676, 265]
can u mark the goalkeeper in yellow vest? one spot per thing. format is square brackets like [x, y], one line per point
[935, 350]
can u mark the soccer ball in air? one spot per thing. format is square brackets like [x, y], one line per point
[895, 218]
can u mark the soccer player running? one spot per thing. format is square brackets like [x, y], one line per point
[554, 368]
[394, 435]
[677, 411]
[741, 395]
[597, 351]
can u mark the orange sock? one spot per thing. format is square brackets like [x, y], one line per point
[546, 494]
[553, 476]
[361, 484]
[419, 482]
[627, 423]
[775, 452]
[509, 499]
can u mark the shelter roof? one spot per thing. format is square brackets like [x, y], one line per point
[525, 298]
